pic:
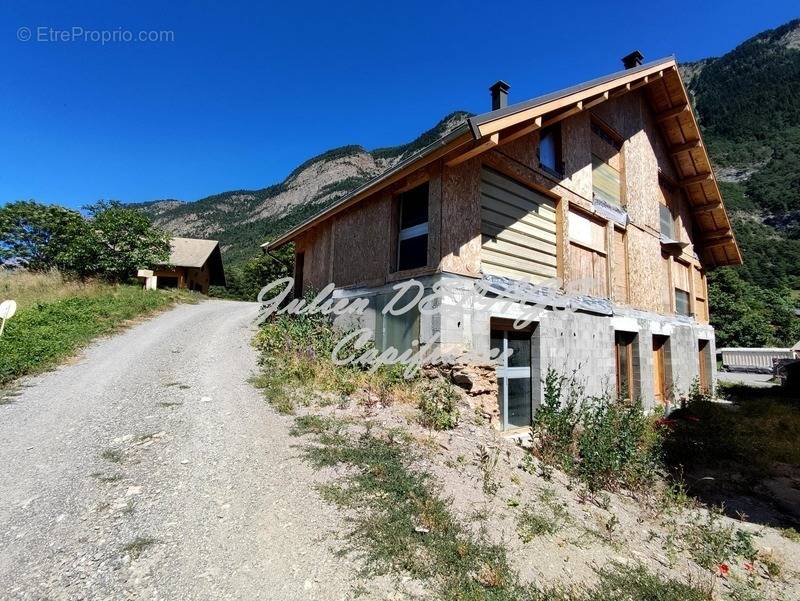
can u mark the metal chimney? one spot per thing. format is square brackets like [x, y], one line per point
[499, 93]
[634, 59]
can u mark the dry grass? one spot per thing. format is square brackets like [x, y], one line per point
[28, 288]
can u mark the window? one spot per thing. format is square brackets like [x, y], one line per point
[550, 156]
[623, 346]
[299, 259]
[667, 222]
[606, 166]
[682, 306]
[681, 274]
[514, 384]
[412, 243]
[400, 332]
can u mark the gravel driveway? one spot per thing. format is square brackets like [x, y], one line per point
[150, 469]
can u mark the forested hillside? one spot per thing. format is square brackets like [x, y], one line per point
[748, 105]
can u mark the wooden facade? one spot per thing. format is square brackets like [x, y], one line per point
[493, 208]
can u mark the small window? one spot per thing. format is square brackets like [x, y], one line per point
[412, 243]
[606, 184]
[606, 165]
[667, 222]
[623, 346]
[550, 157]
[682, 302]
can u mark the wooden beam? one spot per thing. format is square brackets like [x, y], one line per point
[595, 101]
[523, 131]
[716, 243]
[686, 147]
[621, 90]
[642, 82]
[715, 235]
[696, 179]
[563, 115]
[482, 147]
[673, 112]
[707, 208]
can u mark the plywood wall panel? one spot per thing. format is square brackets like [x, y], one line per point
[460, 239]
[361, 242]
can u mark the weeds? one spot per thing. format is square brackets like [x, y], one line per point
[107, 478]
[297, 366]
[112, 455]
[533, 522]
[438, 408]
[710, 543]
[138, 545]
[604, 442]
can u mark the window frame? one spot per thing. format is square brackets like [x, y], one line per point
[558, 150]
[415, 231]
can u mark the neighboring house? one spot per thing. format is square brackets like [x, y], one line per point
[194, 264]
[605, 185]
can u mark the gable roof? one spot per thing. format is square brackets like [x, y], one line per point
[195, 252]
[673, 113]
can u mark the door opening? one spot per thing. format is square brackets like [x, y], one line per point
[514, 384]
[659, 369]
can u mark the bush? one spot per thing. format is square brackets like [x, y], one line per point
[603, 441]
[438, 408]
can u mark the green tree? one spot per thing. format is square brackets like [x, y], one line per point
[39, 237]
[247, 279]
[120, 241]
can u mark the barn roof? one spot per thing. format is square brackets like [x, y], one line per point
[195, 252]
[663, 87]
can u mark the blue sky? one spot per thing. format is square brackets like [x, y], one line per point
[245, 92]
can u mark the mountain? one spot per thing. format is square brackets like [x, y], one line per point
[243, 219]
[748, 106]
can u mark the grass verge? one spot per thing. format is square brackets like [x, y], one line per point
[42, 334]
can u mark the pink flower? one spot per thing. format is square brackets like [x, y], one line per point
[722, 570]
[748, 566]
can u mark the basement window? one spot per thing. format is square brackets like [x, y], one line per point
[550, 154]
[412, 242]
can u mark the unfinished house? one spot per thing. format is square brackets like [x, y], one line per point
[605, 186]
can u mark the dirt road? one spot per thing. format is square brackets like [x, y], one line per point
[150, 469]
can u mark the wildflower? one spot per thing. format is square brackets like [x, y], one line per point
[722, 570]
[666, 422]
[748, 566]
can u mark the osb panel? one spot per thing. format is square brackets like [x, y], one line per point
[460, 239]
[316, 246]
[577, 137]
[619, 271]
[645, 269]
[361, 241]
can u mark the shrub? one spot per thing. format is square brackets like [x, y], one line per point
[438, 408]
[605, 442]
[711, 543]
